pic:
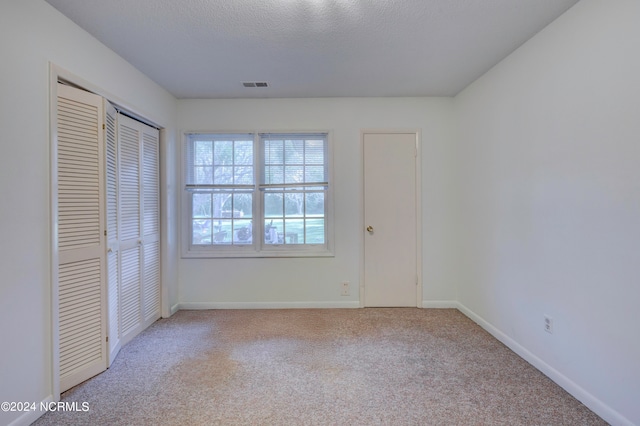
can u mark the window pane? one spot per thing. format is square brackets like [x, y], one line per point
[203, 175]
[201, 231]
[273, 152]
[231, 223]
[203, 153]
[314, 174]
[243, 205]
[243, 152]
[243, 175]
[294, 204]
[273, 204]
[221, 203]
[294, 231]
[294, 174]
[294, 153]
[223, 153]
[223, 176]
[273, 231]
[201, 205]
[314, 204]
[222, 232]
[314, 231]
[314, 152]
[242, 232]
[274, 174]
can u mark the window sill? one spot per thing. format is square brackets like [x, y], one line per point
[276, 252]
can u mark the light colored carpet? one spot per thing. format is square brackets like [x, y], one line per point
[391, 366]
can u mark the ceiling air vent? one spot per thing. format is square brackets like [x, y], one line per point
[255, 84]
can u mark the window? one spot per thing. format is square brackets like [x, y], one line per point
[261, 194]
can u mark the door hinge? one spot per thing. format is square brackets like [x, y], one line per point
[105, 232]
[107, 339]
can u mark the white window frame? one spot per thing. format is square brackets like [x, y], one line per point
[258, 248]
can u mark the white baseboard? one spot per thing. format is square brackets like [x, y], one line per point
[594, 404]
[268, 305]
[31, 416]
[431, 304]
[175, 308]
[440, 304]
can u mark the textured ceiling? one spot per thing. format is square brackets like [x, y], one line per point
[313, 48]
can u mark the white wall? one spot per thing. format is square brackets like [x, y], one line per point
[32, 33]
[315, 282]
[549, 161]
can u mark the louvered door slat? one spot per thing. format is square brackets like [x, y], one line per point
[80, 354]
[77, 158]
[80, 326]
[74, 299]
[72, 105]
[77, 312]
[72, 183]
[72, 328]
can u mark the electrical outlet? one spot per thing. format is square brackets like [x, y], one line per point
[548, 324]
[344, 288]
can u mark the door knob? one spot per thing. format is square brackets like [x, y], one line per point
[370, 228]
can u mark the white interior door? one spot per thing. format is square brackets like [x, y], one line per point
[82, 318]
[390, 219]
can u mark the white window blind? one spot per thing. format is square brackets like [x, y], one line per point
[294, 160]
[216, 161]
[294, 184]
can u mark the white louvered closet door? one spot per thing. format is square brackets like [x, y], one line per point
[130, 228]
[151, 224]
[138, 226]
[113, 246]
[82, 308]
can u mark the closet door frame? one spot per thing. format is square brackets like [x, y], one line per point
[58, 74]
